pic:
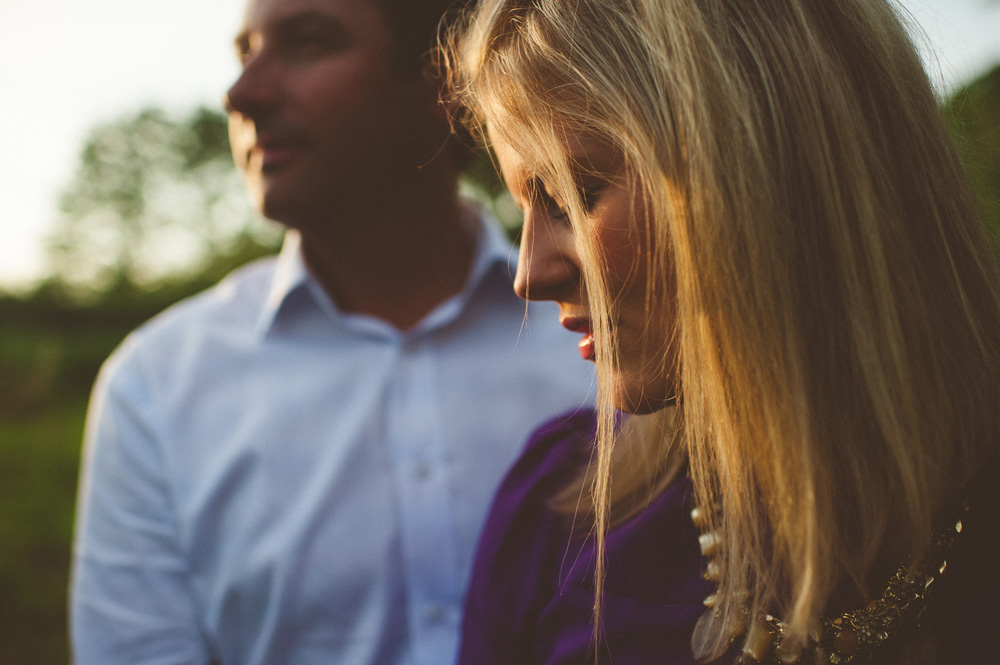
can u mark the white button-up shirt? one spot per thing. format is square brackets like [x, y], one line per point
[269, 480]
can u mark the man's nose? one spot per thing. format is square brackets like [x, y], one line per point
[548, 264]
[255, 90]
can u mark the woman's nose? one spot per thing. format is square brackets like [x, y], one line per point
[548, 266]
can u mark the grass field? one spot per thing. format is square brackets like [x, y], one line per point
[48, 361]
[39, 455]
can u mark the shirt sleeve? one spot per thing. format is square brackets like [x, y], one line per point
[131, 601]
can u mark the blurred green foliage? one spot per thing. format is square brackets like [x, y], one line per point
[974, 115]
[155, 200]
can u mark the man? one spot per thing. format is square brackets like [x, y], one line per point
[293, 467]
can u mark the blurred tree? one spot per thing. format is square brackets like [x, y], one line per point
[481, 181]
[974, 115]
[155, 201]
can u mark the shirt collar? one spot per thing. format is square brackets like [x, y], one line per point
[494, 251]
[291, 280]
[290, 274]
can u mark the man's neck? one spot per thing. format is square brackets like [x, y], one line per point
[394, 264]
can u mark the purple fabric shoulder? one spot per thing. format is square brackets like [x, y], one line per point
[531, 596]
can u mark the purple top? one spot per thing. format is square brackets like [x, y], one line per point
[532, 594]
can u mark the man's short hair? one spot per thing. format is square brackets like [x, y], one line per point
[414, 25]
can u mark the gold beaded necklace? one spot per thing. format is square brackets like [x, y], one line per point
[854, 636]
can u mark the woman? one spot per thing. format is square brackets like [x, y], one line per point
[754, 214]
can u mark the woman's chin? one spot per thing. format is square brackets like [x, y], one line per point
[638, 401]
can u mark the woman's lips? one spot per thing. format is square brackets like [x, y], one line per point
[586, 344]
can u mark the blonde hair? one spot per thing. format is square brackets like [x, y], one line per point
[837, 301]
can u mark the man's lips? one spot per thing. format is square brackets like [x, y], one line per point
[275, 150]
[586, 344]
[276, 154]
[265, 144]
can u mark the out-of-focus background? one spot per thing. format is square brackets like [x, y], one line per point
[117, 197]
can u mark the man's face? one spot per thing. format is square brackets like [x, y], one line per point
[321, 118]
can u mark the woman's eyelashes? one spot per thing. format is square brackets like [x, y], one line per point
[587, 196]
[590, 194]
[542, 201]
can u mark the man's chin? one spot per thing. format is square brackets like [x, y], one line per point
[275, 201]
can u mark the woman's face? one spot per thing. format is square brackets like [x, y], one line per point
[550, 266]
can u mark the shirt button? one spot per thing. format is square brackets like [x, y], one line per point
[422, 471]
[434, 614]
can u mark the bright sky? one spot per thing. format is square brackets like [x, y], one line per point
[67, 65]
